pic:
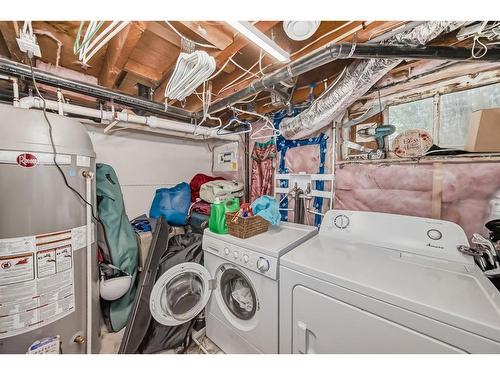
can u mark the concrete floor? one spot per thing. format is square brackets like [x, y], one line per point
[110, 343]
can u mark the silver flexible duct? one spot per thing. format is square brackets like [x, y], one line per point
[359, 77]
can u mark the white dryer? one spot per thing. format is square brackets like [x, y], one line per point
[242, 312]
[382, 283]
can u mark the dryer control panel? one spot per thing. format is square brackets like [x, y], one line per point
[409, 234]
[254, 261]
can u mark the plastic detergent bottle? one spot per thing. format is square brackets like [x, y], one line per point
[232, 205]
[217, 220]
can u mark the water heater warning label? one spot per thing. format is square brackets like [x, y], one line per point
[36, 281]
[16, 269]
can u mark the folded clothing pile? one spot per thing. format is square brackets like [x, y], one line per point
[205, 189]
[221, 190]
[196, 182]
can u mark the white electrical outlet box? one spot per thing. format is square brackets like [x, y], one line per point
[27, 43]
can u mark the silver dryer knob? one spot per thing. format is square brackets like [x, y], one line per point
[263, 265]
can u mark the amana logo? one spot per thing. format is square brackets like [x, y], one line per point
[435, 246]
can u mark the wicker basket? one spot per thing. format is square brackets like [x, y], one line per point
[245, 227]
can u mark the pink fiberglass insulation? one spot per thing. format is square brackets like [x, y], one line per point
[467, 189]
[67, 73]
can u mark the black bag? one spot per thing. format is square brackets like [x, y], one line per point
[144, 334]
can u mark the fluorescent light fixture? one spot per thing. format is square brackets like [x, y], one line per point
[260, 39]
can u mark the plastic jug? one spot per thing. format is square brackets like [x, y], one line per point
[217, 220]
[232, 205]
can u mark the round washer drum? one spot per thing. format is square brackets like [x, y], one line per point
[180, 294]
[234, 286]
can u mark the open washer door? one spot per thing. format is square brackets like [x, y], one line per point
[180, 294]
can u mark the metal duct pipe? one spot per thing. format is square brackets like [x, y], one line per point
[389, 51]
[335, 51]
[21, 70]
[361, 75]
[181, 128]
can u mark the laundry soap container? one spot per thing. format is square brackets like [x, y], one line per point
[217, 220]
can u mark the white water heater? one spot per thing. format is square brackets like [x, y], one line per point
[43, 231]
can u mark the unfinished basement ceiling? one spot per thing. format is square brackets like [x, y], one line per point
[145, 52]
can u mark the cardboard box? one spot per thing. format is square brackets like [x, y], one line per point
[144, 240]
[483, 134]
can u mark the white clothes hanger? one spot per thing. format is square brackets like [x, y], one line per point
[206, 100]
[232, 121]
[191, 70]
[268, 125]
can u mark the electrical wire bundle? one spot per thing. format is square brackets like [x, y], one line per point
[92, 41]
[52, 143]
[487, 31]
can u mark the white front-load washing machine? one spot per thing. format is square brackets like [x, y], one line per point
[382, 283]
[242, 312]
[238, 285]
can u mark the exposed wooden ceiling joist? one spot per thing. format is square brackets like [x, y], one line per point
[146, 52]
[162, 30]
[221, 57]
[141, 70]
[4, 51]
[213, 34]
[10, 31]
[357, 30]
[240, 42]
[118, 52]
[65, 32]
[340, 33]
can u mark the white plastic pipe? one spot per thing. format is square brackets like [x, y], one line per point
[15, 88]
[88, 196]
[183, 129]
[61, 102]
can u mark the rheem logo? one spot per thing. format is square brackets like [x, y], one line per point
[27, 160]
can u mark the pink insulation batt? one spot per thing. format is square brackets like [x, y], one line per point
[407, 190]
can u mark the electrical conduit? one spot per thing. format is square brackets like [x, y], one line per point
[88, 196]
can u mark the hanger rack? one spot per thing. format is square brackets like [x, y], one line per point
[304, 181]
